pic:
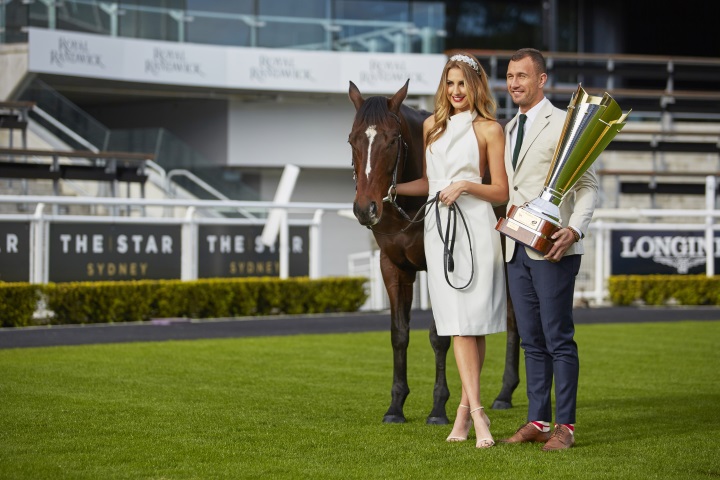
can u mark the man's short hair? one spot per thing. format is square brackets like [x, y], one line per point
[535, 56]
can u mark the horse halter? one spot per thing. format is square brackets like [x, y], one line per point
[392, 190]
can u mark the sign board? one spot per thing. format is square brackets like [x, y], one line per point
[95, 251]
[238, 251]
[238, 68]
[647, 252]
[14, 251]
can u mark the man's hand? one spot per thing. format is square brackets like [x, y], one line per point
[563, 238]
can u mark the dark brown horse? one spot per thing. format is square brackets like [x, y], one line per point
[387, 148]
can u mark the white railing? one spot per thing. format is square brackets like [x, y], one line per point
[591, 285]
[303, 214]
[367, 264]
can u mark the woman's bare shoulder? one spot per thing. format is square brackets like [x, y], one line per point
[487, 128]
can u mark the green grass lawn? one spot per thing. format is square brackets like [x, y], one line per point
[311, 407]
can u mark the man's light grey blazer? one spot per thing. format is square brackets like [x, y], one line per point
[526, 182]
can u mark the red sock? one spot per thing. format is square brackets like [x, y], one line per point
[542, 426]
[571, 427]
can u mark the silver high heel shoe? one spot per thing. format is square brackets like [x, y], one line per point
[485, 442]
[468, 424]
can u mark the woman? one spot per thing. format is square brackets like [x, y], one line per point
[465, 270]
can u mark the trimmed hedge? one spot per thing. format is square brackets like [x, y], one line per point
[17, 304]
[663, 289]
[108, 302]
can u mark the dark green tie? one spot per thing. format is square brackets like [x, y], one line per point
[519, 139]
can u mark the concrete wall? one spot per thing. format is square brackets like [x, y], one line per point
[13, 67]
[201, 123]
[307, 133]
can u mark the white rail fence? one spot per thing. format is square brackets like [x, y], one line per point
[303, 214]
[676, 249]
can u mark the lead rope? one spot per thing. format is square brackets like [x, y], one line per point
[454, 211]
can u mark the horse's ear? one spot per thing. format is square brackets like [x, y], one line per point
[397, 99]
[355, 96]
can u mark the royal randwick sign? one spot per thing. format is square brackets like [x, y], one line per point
[660, 252]
[61, 52]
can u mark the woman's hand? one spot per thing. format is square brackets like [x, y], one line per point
[450, 194]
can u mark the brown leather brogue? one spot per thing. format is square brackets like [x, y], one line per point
[528, 433]
[560, 439]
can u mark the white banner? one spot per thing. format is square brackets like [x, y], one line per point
[145, 61]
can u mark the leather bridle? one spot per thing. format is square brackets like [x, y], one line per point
[453, 212]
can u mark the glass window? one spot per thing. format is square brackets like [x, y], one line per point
[294, 24]
[385, 27]
[295, 8]
[496, 25]
[219, 22]
[429, 18]
[82, 17]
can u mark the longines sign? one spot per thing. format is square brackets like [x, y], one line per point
[660, 252]
[14, 251]
[145, 61]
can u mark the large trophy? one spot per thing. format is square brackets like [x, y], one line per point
[591, 123]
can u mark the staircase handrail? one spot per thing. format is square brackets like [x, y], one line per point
[204, 185]
[64, 128]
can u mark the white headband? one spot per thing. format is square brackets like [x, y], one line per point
[468, 60]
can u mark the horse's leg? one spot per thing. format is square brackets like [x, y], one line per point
[511, 375]
[441, 393]
[399, 285]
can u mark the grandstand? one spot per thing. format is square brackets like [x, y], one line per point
[188, 139]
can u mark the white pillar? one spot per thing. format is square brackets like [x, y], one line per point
[37, 242]
[710, 188]
[189, 247]
[284, 250]
[315, 245]
[600, 277]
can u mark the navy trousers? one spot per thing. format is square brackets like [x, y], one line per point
[542, 295]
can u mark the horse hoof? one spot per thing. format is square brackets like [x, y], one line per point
[393, 419]
[501, 405]
[437, 421]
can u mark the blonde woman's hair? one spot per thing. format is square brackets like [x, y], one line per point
[477, 90]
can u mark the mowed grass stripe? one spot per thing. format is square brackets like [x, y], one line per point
[310, 406]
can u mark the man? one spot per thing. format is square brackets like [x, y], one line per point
[542, 288]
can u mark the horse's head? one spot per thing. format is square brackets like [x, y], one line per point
[378, 150]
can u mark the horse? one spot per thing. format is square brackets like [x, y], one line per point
[387, 148]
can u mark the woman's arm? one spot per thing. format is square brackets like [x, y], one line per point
[491, 141]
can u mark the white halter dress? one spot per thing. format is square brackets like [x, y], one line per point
[480, 308]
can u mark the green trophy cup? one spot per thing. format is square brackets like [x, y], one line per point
[590, 125]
